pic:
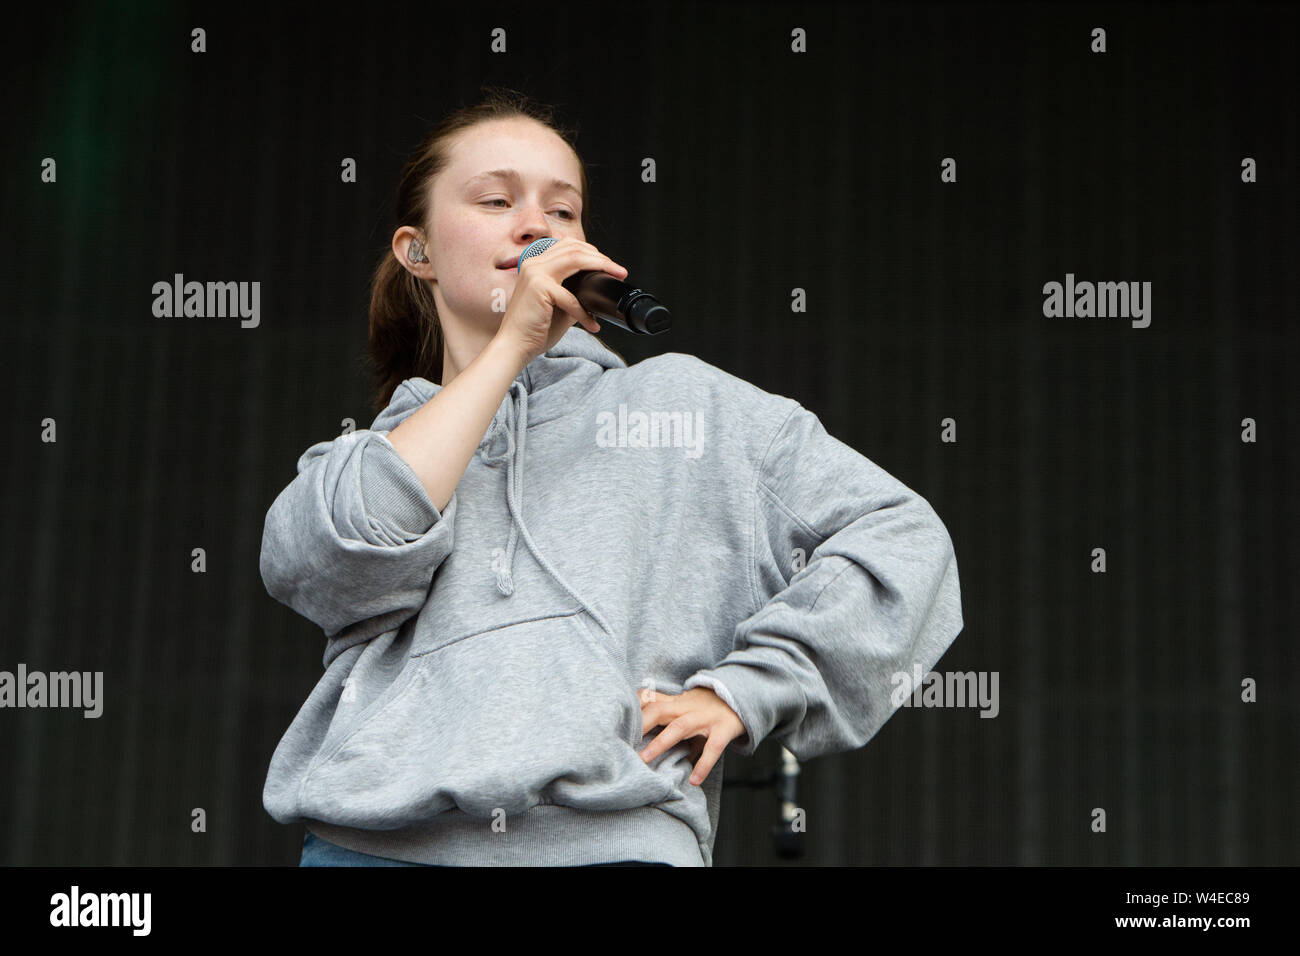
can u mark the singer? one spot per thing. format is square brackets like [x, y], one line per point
[539, 645]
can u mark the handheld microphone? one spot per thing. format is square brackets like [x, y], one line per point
[609, 299]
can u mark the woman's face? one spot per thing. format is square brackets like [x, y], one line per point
[481, 220]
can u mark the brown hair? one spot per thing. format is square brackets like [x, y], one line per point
[406, 337]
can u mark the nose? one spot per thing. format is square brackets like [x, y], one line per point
[531, 224]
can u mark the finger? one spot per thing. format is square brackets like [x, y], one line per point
[712, 751]
[565, 260]
[656, 747]
[574, 244]
[656, 713]
[673, 734]
[573, 308]
[668, 737]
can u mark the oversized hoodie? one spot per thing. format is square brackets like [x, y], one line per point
[620, 529]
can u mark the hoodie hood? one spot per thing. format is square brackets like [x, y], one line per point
[547, 387]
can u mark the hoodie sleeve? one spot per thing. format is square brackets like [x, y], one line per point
[353, 542]
[875, 592]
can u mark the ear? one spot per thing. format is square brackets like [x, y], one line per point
[408, 247]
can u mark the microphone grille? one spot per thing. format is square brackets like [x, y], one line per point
[535, 249]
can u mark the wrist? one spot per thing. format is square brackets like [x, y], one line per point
[508, 353]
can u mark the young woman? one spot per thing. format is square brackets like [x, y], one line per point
[554, 588]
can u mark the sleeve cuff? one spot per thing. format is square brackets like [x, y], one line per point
[392, 491]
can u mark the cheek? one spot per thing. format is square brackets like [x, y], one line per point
[458, 240]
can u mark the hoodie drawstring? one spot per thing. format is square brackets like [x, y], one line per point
[515, 428]
[514, 482]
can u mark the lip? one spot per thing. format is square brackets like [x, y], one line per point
[511, 264]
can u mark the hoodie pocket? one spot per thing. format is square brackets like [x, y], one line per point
[535, 712]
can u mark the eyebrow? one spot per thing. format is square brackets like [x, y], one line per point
[513, 174]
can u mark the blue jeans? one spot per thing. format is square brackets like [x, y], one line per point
[318, 852]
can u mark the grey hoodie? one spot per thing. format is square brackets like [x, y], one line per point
[619, 529]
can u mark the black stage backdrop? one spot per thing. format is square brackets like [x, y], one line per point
[794, 148]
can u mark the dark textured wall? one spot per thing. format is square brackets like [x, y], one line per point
[776, 170]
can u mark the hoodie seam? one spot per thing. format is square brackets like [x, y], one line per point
[363, 720]
[776, 499]
[756, 600]
[497, 627]
[838, 574]
[411, 390]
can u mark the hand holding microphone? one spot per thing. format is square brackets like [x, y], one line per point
[609, 298]
[541, 310]
[573, 279]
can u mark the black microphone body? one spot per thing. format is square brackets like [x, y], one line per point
[609, 299]
[613, 300]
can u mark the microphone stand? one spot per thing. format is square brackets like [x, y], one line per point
[787, 843]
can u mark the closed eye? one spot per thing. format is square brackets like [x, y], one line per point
[567, 213]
